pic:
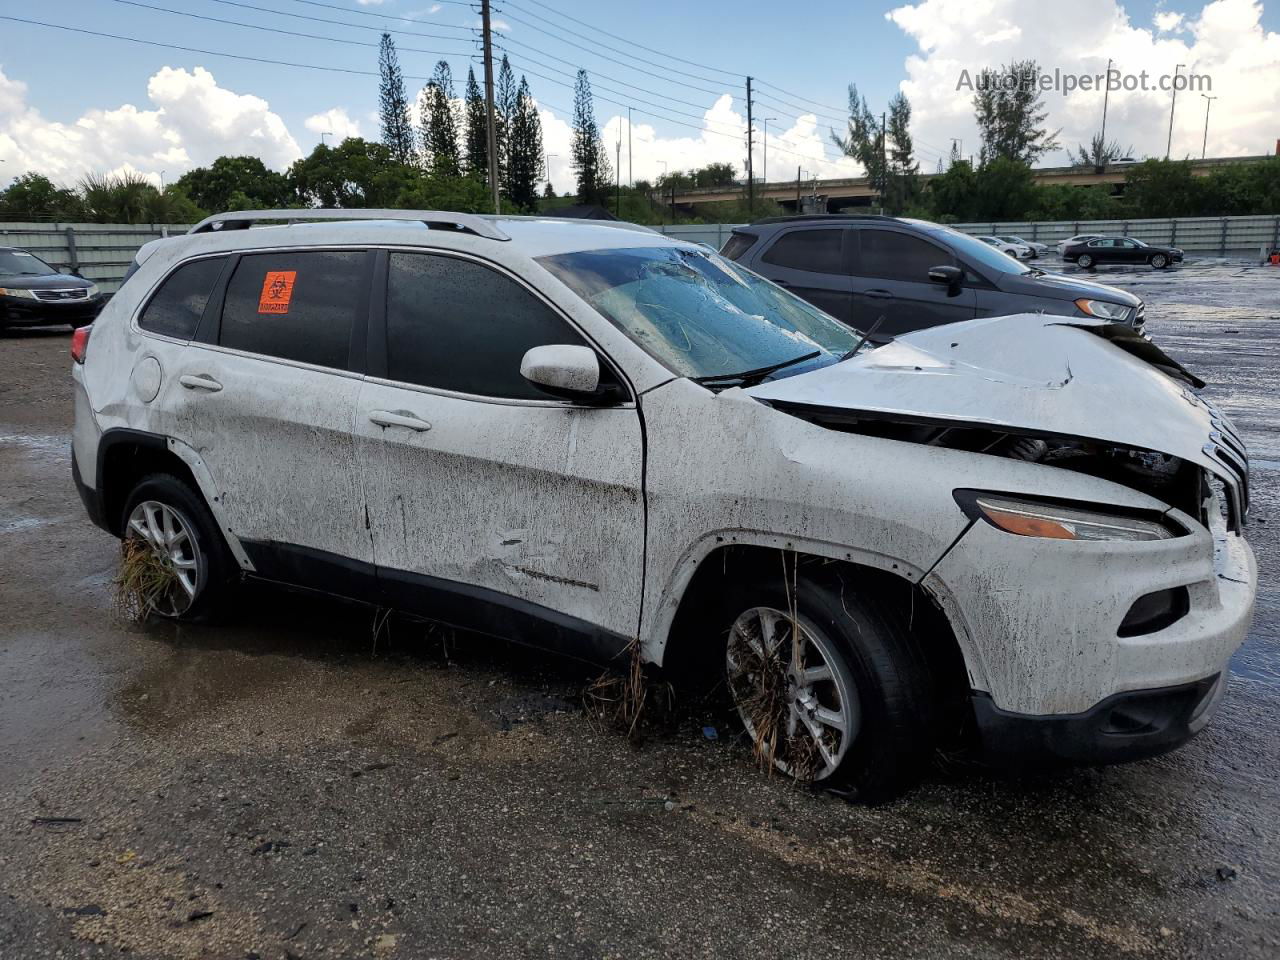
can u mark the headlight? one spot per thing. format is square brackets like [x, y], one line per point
[93, 291]
[1032, 519]
[1103, 310]
[16, 292]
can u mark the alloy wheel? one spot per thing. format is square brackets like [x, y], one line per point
[171, 539]
[793, 692]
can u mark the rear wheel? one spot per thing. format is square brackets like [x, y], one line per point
[172, 523]
[1159, 261]
[1085, 261]
[831, 689]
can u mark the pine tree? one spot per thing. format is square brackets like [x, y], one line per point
[1010, 111]
[524, 161]
[590, 160]
[477, 131]
[439, 128]
[505, 95]
[863, 140]
[397, 129]
[548, 192]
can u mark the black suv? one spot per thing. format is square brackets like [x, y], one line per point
[911, 273]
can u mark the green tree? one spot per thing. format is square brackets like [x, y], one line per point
[505, 97]
[477, 132]
[1098, 154]
[393, 106]
[461, 194]
[589, 158]
[714, 175]
[951, 195]
[1010, 111]
[236, 183]
[1163, 188]
[439, 127]
[863, 139]
[33, 195]
[524, 163]
[355, 173]
[903, 174]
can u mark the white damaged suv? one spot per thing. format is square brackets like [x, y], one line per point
[1018, 535]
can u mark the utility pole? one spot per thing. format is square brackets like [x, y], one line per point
[751, 182]
[956, 146]
[765, 175]
[617, 203]
[1169, 146]
[797, 188]
[488, 104]
[884, 160]
[1106, 93]
[631, 179]
[1208, 102]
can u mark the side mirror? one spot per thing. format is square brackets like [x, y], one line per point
[569, 372]
[951, 276]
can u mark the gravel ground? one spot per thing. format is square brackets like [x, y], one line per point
[294, 783]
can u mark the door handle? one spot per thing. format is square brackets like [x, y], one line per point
[200, 381]
[878, 294]
[388, 418]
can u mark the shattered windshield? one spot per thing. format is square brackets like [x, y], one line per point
[701, 315]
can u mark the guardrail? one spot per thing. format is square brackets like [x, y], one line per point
[100, 252]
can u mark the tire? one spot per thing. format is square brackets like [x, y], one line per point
[209, 578]
[1159, 261]
[1085, 261]
[879, 684]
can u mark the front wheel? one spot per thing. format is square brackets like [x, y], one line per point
[830, 688]
[1159, 261]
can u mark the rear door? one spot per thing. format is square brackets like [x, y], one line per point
[890, 274]
[266, 395]
[492, 505]
[810, 262]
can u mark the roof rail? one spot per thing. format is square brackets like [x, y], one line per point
[244, 219]
[822, 216]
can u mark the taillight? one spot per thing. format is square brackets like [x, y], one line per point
[80, 343]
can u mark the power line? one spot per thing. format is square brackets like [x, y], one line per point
[344, 23]
[207, 53]
[386, 16]
[289, 33]
[669, 56]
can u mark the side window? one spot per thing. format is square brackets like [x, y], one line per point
[737, 245]
[296, 305]
[175, 309]
[458, 325]
[817, 251]
[898, 256]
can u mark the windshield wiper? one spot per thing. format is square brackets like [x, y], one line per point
[865, 337]
[752, 377]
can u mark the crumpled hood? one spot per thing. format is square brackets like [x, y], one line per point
[1033, 373]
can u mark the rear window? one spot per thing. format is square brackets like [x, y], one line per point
[296, 305]
[175, 309]
[738, 244]
[817, 251]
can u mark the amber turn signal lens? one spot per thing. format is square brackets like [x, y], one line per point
[1029, 526]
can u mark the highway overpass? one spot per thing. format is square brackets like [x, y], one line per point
[831, 196]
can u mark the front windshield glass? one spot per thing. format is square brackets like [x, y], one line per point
[19, 263]
[701, 315]
[982, 254]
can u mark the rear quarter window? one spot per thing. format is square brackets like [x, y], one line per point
[174, 310]
[737, 245]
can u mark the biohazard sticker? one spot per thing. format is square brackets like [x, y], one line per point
[277, 291]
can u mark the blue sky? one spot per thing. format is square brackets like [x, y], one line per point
[812, 51]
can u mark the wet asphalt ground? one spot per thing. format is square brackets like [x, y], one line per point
[298, 783]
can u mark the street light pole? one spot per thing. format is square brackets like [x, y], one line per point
[1208, 102]
[765, 122]
[1106, 93]
[1169, 146]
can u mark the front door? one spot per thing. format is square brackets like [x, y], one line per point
[891, 281]
[492, 505]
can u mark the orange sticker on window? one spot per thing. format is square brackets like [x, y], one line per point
[277, 291]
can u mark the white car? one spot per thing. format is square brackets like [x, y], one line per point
[1016, 534]
[1037, 249]
[1019, 251]
[1072, 241]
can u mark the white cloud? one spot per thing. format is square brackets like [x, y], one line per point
[1168, 22]
[1225, 41]
[722, 139]
[192, 121]
[336, 121]
[370, 3]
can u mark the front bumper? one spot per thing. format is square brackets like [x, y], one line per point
[21, 312]
[1123, 727]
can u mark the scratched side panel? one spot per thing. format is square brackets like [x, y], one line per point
[542, 503]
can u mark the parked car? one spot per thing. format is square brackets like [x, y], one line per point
[596, 438]
[1037, 249]
[1072, 241]
[1019, 251]
[32, 293]
[1105, 250]
[911, 273]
